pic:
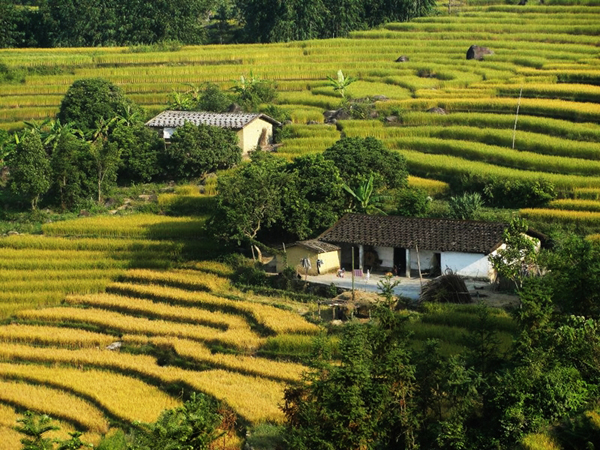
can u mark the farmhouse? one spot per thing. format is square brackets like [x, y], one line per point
[252, 129]
[402, 244]
[322, 257]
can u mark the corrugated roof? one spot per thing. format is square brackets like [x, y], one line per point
[317, 246]
[443, 235]
[174, 119]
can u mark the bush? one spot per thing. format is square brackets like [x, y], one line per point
[465, 207]
[412, 202]
[506, 193]
[213, 99]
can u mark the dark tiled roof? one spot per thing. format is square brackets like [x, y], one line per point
[174, 119]
[317, 246]
[442, 235]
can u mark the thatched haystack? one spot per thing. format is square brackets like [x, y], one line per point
[446, 289]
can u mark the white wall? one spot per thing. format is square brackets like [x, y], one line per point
[474, 265]
[168, 132]
[427, 259]
[386, 255]
[252, 133]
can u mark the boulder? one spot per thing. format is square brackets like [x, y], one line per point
[84, 213]
[312, 122]
[477, 52]
[374, 115]
[13, 233]
[147, 197]
[334, 116]
[402, 59]
[391, 119]
[380, 98]
[437, 110]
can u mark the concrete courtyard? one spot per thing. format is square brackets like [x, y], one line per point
[408, 287]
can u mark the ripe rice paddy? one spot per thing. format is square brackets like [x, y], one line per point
[90, 282]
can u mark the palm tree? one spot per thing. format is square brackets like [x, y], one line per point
[367, 201]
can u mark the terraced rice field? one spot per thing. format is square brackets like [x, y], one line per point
[88, 283]
[547, 54]
[54, 352]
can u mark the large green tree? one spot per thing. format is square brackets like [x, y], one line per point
[140, 152]
[250, 198]
[30, 169]
[197, 150]
[72, 171]
[367, 401]
[357, 159]
[315, 199]
[90, 100]
[275, 21]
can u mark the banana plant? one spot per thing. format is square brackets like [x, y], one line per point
[341, 83]
[364, 198]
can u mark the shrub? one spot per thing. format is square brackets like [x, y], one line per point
[465, 207]
[510, 193]
[412, 202]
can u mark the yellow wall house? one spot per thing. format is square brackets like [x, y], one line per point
[313, 250]
[252, 129]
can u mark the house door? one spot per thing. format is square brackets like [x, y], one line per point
[400, 261]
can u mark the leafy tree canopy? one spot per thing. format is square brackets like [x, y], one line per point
[30, 169]
[197, 150]
[357, 159]
[91, 100]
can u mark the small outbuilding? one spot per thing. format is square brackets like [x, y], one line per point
[252, 129]
[403, 244]
[316, 256]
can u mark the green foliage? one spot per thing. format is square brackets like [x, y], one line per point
[278, 113]
[271, 21]
[35, 426]
[72, 172]
[140, 149]
[105, 156]
[510, 193]
[250, 198]
[60, 23]
[251, 91]
[357, 159]
[192, 426]
[208, 97]
[364, 199]
[7, 145]
[386, 288]
[301, 198]
[213, 99]
[91, 100]
[197, 150]
[340, 83]
[315, 198]
[30, 169]
[366, 401]
[574, 268]
[465, 207]
[412, 202]
[520, 257]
